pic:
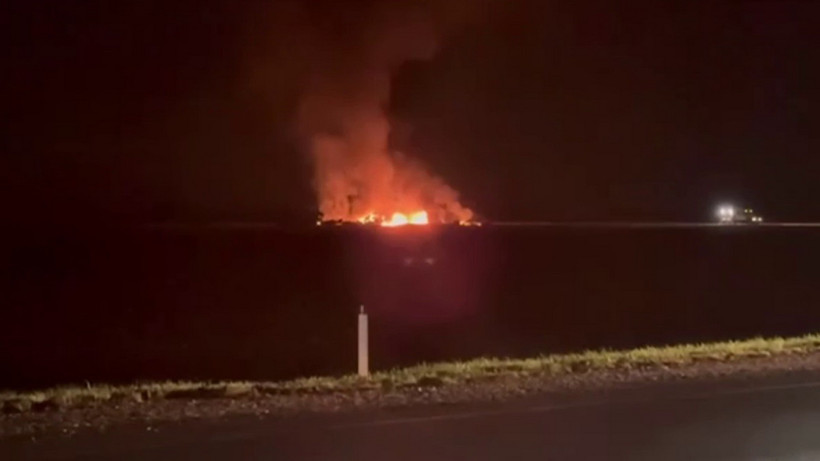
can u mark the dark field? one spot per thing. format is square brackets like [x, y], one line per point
[268, 303]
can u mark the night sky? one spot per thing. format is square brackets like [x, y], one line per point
[146, 111]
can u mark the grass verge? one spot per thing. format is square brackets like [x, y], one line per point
[446, 374]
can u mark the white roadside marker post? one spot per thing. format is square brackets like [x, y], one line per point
[364, 365]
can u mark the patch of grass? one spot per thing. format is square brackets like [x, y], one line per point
[419, 376]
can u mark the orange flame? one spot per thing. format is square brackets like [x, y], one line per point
[368, 218]
[418, 218]
[398, 219]
[359, 175]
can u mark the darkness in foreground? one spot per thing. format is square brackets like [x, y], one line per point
[761, 420]
[267, 303]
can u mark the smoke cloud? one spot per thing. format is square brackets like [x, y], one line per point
[342, 116]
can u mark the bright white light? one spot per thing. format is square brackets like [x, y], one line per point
[726, 211]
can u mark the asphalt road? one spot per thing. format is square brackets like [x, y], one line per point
[557, 224]
[653, 224]
[775, 419]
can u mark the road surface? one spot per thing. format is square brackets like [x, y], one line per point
[654, 225]
[775, 419]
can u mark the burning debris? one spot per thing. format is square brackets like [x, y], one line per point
[397, 219]
[359, 178]
[418, 218]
